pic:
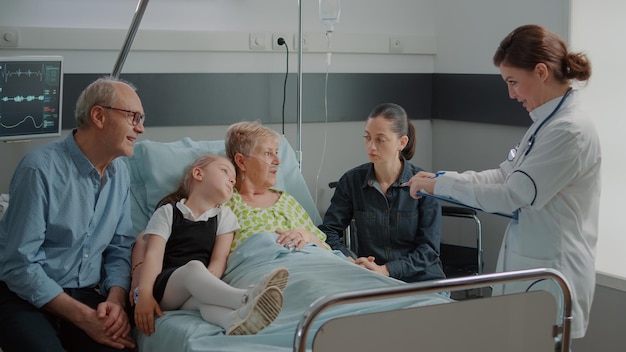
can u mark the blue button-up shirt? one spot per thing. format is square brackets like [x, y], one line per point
[396, 229]
[65, 227]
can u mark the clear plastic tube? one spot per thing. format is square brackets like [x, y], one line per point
[330, 10]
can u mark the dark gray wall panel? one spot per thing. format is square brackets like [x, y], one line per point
[224, 98]
[184, 99]
[476, 98]
[351, 96]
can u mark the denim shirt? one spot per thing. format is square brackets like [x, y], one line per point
[65, 227]
[394, 228]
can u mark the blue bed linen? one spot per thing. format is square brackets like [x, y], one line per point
[314, 272]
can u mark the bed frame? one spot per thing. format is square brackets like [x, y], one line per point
[514, 323]
[530, 321]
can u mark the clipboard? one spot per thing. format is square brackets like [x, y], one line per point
[512, 216]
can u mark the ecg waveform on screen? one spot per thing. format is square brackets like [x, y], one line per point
[19, 98]
[6, 74]
[43, 124]
[49, 74]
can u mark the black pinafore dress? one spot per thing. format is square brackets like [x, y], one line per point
[189, 240]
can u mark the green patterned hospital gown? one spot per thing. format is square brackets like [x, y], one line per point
[285, 214]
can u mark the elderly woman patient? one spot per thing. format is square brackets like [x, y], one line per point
[253, 149]
[258, 207]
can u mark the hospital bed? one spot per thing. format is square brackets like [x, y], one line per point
[332, 304]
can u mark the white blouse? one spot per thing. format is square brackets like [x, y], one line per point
[161, 221]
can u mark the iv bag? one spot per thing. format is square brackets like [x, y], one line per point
[329, 13]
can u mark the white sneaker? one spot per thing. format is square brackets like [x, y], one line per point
[258, 313]
[277, 278]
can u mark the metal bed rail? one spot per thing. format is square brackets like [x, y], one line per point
[462, 283]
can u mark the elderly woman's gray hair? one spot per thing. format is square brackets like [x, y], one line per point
[242, 137]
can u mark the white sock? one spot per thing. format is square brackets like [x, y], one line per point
[217, 315]
[195, 280]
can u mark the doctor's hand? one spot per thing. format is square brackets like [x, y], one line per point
[422, 181]
[368, 263]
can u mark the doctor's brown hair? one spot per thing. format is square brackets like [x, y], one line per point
[528, 45]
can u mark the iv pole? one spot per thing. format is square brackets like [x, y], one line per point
[299, 91]
[132, 30]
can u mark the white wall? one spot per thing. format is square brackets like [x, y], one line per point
[75, 28]
[465, 33]
[468, 32]
[598, 29]
[362, 21]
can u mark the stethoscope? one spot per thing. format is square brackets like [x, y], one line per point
[531, 140]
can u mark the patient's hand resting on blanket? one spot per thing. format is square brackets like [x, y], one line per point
[296, 238]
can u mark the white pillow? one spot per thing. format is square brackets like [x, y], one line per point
[156, 169]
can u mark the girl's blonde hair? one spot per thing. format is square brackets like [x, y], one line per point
[185, 183]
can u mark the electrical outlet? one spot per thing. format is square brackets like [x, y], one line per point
[275, 37]
[396, 45]
[305, 42]
[9, 37]
[257, 41]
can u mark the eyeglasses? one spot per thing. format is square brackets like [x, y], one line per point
[136, 115]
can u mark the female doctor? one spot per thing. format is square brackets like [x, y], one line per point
[550, 180]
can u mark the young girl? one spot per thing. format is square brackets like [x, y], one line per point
[188, 241]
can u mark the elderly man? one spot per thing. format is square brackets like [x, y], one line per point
[66, 236]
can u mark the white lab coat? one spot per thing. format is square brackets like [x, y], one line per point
[556, 188]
